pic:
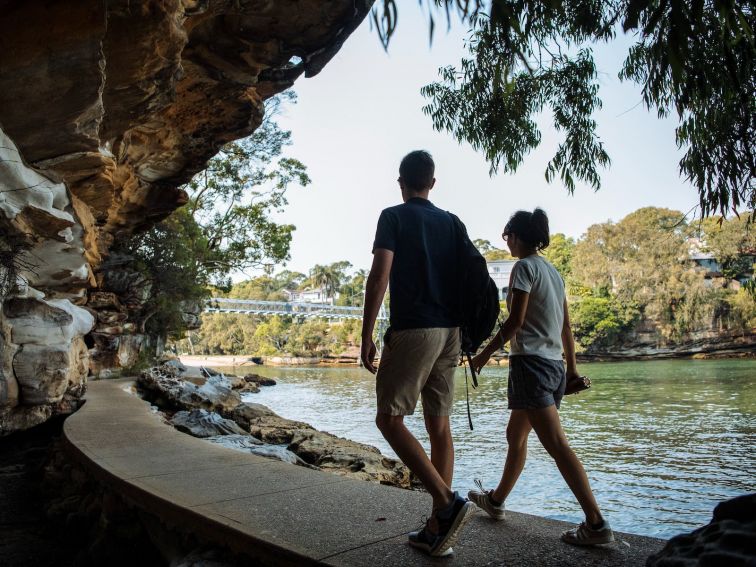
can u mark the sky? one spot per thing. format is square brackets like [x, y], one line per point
[354, 122]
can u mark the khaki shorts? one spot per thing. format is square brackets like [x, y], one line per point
[418, 362]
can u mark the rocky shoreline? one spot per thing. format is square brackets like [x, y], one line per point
[245, 362]
[207, 404]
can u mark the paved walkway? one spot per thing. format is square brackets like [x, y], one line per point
[282, 514]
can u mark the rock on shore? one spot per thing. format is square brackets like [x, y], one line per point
[728, 540]
[207, 404]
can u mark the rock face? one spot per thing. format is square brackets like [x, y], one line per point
[44, 361]
[646, 341]
[106, 109]
[729, 539]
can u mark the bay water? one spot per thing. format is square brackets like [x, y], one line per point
[662, 441]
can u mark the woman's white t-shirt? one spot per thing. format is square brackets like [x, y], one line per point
[541, 332]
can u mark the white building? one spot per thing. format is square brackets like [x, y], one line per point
[310, 296]
[500, 270]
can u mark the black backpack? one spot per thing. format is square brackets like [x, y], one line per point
[477, 298]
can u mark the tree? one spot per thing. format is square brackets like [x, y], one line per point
[225, 226]
[233, 198]
[733, 244]
[696, 59]
[329, 277]
[352, 293]
[490, 252]
[559, 253]
[640, 267]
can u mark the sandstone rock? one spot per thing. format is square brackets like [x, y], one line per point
[248, 444]
[107, 318]
[165, 385]
[23, 417]
[260, 380]
[144, 94]
[42, 373]
[321, 449]
[350, 458]
[46, 322]
[245, 414]
[104, 300]
[729, 539]
[201, 423]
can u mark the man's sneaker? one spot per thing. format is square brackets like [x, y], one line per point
[482, 499]
[451, 520]
[424, 540]
[585, 535]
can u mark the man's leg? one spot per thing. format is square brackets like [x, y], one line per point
[412, 454]
[518, 429]
[549, 430]
[442, 446]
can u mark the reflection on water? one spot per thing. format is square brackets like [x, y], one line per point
[662, 442]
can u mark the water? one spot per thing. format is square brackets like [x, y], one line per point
[662, 442]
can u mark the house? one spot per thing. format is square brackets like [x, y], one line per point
[317, 295]
[500, 270]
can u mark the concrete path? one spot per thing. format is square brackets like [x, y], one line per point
[281, 514]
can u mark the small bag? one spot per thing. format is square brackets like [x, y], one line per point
[577, 384]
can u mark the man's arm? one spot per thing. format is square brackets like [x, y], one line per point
[517, 310]
[568, 344]
[375, 290]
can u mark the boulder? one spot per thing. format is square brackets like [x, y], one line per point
[342, 456]
[201, 423]
[249, 444]
[42, 372]
[23, 417]
[320, 449]
[165, 385]
[259, 380]
[729, 539]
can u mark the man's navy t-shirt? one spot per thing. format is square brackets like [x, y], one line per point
[423, 274]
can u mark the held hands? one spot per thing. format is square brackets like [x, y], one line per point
[480, 359]
[367, 354]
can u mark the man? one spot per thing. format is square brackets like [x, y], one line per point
[415, 250]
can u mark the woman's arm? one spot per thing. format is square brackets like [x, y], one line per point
[517, 310]
[568, 344]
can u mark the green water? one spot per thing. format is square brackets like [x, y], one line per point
[662, 442]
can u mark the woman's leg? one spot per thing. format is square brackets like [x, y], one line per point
[547, 426]
[518, 429]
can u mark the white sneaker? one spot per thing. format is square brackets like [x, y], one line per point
[482, 499]
[585, 535]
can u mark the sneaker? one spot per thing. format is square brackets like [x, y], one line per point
[450, 523]
[482, 499]
[585, 535]
[424, 540]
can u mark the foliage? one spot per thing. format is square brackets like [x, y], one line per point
[490, 252]
[352, 292]
[732, 242]
[527, 57]
[225, 226]
[599, 321]
[330, 277]
[621, 276]
[559, 253]
[640, 267]
[171, 256]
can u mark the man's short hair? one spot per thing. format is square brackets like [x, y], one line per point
[417, 170]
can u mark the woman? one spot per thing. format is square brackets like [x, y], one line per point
[538, 328]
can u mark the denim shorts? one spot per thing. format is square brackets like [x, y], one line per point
[535, 382]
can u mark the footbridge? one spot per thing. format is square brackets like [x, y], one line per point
[293, 309]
